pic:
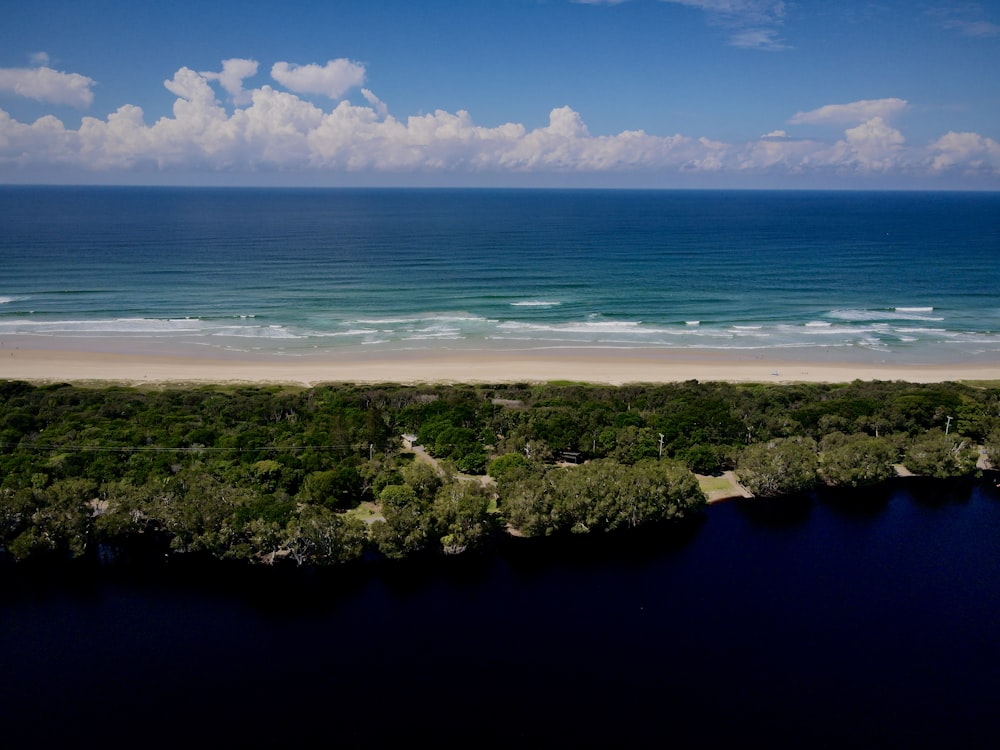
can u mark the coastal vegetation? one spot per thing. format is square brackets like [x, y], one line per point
[317, 476]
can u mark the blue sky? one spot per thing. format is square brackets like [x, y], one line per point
[629, 93]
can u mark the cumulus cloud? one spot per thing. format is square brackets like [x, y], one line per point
[332, 80]
[967, 153]
[873, 146]
[47, 85]
[234, 72]
[842, 114]
[280, 131]
[377, 104]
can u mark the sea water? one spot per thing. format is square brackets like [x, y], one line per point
[896, 277]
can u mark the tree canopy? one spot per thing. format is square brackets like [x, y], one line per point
[319, 475]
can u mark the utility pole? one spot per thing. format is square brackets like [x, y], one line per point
[947, 425]
[661, 445]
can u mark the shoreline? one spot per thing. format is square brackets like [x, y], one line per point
[598, 366]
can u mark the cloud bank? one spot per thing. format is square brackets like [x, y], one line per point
[277, 131]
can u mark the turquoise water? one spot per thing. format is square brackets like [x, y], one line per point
[900, 277]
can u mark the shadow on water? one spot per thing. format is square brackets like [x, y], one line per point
[626, 547]
[777, 513]
[861, 503]
[286, 589]
[935, 493]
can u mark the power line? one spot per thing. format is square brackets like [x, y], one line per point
[186, 449]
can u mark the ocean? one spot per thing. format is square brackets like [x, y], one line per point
[893, 277]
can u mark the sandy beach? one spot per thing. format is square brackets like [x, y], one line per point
[613, 367]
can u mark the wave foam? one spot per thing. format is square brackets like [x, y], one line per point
[896, 313]
[143, 327]
[623, 326]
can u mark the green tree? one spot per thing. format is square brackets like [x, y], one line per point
[318, 536]
[942, 456]
[423, 478]
[461, 511]
[339, 487]
[507, 466]
[780, 467]
[527, 502]
[408, 525]
[992, 447]
[856, 460]
[16, 510]
[601, 495]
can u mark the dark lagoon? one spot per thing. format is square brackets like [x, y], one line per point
[814, 622]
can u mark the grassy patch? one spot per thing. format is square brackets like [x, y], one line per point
[981, 384]
[366, 512]
[714, 484]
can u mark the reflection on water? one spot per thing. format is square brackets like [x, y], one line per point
[862, 621]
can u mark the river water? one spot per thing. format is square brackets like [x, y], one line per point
[814, 622]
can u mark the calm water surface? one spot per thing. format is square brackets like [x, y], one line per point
[810, 623]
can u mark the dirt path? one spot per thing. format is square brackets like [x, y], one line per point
[420, 454]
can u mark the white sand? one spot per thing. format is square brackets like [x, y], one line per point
[611, 367]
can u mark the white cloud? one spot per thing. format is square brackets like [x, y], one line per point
[280, 131]
[842, 114]
[975, 28]
[873, 146]
[967, 18]
[39, 59]
[968, 153]
[331, 80]
[47, 85]
[377, 104]
[234, 72]
[753, 24]
[757, 39]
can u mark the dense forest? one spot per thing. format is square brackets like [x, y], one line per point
[294, 476]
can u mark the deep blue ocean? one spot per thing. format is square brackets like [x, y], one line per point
[850, 622]
[896, 277]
